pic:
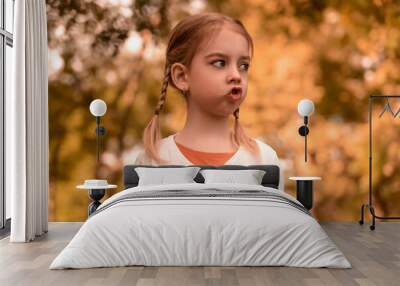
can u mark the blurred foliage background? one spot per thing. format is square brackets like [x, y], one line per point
[333, 52]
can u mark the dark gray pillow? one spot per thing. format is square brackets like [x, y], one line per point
[248, 177]
[162, 176]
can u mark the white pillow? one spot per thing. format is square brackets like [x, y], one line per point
[162, 176]
[249, 177]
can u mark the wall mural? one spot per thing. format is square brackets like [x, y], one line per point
[238, 108]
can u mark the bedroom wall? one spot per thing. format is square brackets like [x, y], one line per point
[336, 54]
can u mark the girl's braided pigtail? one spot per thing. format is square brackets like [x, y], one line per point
[152, 134]
[241, 138]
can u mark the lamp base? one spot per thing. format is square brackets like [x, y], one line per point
[303, 130]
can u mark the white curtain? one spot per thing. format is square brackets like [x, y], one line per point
[27, 124]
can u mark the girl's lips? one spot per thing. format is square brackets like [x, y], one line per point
[235, 95]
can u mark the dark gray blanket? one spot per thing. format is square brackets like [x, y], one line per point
[206, 194]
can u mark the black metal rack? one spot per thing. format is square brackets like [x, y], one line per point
[370, 205]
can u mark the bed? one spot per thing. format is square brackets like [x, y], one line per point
[201, 224]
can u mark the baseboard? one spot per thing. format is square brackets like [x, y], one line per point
[5, 231]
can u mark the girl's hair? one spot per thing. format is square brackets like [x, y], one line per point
[183, 42]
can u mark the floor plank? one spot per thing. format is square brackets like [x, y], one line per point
[374, 255]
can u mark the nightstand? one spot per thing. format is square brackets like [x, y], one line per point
[97, 190]
[304, 190]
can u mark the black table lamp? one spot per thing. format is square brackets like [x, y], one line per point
[305, 109]
[98, 108]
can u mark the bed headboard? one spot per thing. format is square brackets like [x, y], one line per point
[270, 179]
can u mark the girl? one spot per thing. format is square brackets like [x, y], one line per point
[207, 60]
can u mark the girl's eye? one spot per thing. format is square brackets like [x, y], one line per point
[246, 66]
[219, 61]
[243, 66]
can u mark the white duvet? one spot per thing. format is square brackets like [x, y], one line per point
[183, 231]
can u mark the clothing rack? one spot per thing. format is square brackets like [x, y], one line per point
[370, 204]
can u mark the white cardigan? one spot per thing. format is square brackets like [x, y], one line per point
[169, 151]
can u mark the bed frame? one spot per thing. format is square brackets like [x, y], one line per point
[270, 179]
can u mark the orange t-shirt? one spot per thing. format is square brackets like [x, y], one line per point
[204, 158]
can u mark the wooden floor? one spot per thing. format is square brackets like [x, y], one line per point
[374, 255]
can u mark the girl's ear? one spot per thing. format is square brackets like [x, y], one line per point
[179, 76]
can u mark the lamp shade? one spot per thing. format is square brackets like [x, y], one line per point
[98, 107]
[305, 107]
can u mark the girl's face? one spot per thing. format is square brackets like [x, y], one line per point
[217, 68]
